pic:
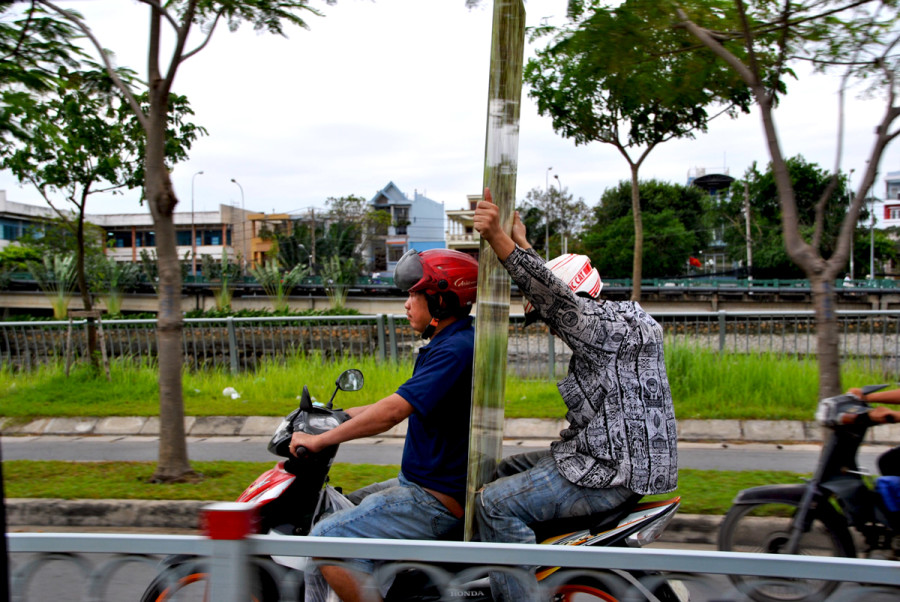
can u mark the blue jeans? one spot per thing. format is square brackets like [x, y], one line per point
[401, 511]
[531, 489]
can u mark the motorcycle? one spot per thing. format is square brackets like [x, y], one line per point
[293, 495]
[816, 517]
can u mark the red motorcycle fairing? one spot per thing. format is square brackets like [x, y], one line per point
[268, 486]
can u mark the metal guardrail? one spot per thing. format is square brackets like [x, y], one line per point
[233, 563]
[244, 343]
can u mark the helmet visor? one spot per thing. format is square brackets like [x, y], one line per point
[408, 271]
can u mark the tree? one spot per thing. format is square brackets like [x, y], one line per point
[34, 48]
[345, 231]
[676, 226]
[810, 182]
[860, 39]
[175, 20]
[545, 212]
[623, 76]
[79, 138]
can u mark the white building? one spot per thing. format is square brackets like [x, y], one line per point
[127, 234]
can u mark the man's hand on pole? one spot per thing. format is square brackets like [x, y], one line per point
[486, 222]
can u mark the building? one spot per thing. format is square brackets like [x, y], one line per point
[461, 234]
[887, 212]
[18, 218]
[228, 230]
[416, 223]
[264, 228]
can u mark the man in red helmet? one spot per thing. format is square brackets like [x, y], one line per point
[426, 500]
[621, 439]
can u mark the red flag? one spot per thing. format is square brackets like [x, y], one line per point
[694, 262]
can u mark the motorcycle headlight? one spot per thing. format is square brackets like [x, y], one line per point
[323, 423]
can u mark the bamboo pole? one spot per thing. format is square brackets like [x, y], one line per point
[492, 309]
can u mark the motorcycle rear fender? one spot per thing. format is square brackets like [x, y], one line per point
[793, 494]
[772, 494]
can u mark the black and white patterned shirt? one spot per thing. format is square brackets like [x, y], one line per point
[621, 418]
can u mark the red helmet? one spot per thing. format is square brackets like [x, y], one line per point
[436, 273]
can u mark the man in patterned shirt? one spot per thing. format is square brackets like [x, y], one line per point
[621, 439]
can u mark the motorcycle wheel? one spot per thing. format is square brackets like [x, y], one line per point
[194, 587]
[582, 590]
[765, 528]
[586, 589]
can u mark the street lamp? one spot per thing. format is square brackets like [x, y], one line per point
[547, 215]
[853, 234]
[243, 224]
[565, 245]
[193, 230]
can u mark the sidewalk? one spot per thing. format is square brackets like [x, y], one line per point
[762, 431]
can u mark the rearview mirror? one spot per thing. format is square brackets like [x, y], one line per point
[350, 380]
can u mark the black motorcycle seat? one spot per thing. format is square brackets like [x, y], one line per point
[595, 523]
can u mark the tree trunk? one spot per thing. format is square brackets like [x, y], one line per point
[827, 336]
[638, 264]
[173, 459]
[85, 293]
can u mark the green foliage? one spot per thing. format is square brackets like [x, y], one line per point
[705, 385]
[55, 236]
[673, 229]
[223, 275]
[35, 47]
[56, 277]
[624, 75]
[770, 259]
[278, 282]
[702, 491]
[343, 232]
[110, 279]
[338, 274]
[15, 257]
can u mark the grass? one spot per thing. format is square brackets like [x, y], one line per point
[705, 385]
[702, 491]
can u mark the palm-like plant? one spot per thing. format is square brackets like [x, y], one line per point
[56, 277]
[110, 278]
[277, 282]
[222, 275]
[338, 273]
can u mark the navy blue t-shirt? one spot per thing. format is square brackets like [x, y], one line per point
[435, 454]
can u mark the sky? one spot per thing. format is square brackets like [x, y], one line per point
[396, 90]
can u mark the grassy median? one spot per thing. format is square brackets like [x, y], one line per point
[702, 491]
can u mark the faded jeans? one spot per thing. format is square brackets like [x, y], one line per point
[531, 489]
[396, 509]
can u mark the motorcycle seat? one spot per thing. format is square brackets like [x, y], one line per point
[595, 523]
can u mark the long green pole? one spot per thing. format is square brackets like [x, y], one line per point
[492, 309]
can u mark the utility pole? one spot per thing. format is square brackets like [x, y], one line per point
[312, 236]
[565, 224]
[193, 231]
[747, 228]
[547, 215]
[853, 235]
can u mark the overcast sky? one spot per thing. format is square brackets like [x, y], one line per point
[396, 90]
